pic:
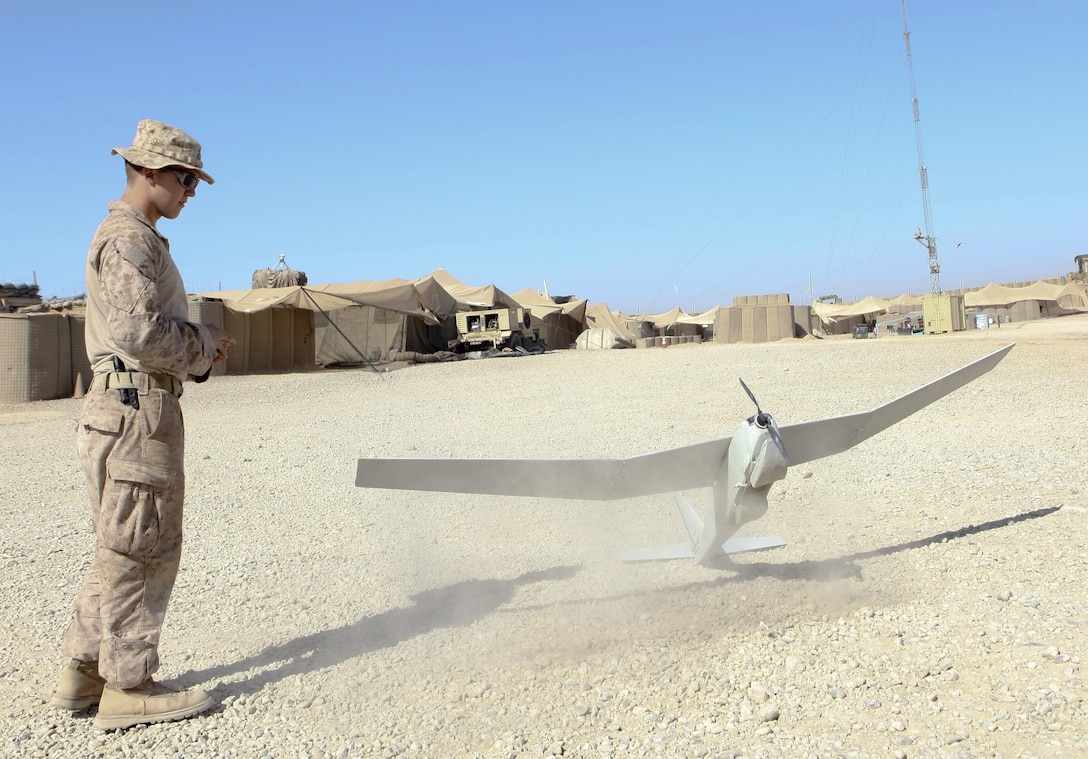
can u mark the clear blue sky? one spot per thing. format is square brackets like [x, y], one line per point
[643, 154]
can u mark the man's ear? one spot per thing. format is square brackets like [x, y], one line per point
[149, 175]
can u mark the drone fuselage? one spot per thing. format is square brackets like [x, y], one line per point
[753, 464]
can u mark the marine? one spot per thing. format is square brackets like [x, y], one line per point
[131, 438]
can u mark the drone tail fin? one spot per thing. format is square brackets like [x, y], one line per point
[690, 522]
[692, 527]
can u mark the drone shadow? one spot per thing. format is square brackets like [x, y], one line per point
[454, 605]
[822, 570]
[847, 567]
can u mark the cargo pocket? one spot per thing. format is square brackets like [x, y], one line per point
[164, 421]
[102, 417]
[162, 442]
[130, 519]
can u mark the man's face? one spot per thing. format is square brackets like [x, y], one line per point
[170, 194]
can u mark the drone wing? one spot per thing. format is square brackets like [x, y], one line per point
[814, 440]
[692, 466]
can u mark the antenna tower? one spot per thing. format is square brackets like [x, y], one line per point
[929, 241]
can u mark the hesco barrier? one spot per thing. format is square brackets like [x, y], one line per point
[44, 356]
[36, 356]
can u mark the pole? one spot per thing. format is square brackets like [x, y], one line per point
[929, 241]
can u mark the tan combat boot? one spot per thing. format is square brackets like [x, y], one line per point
[80, 686]
[146, 703]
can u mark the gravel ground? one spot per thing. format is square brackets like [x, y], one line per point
[930, 601]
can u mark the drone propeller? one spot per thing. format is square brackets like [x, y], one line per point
[765, 420]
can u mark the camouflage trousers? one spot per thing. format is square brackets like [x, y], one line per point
[134, 464]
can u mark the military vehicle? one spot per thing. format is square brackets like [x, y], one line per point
[497, 328]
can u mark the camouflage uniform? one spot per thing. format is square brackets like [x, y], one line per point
[133, 459]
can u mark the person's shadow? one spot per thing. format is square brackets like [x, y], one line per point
[451, 606]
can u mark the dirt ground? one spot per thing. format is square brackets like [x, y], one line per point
[929, 601]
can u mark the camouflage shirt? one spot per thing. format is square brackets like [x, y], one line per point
[136, 303]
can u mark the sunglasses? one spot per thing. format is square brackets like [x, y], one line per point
[188, 181]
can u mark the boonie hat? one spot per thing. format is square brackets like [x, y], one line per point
[158, 145]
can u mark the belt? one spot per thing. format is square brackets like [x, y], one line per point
[142, 381]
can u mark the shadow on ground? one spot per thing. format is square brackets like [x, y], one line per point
[846, 567]
[469, 601]
[824, 570]
[451, 606]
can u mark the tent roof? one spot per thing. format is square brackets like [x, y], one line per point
[435, 296]
[705, 319]
[541, 305]
[666, 319]
[906, 299]
[393, 295]
[868, 305]
[465, 296]
[598, 315]
[999, 295]
[991, 295]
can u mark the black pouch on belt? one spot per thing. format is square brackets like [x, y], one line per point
[129, 395]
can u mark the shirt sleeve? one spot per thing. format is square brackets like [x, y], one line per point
[137, 317]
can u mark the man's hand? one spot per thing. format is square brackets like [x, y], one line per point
[223, 340]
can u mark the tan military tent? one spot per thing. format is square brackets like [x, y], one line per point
[398, 295]
[350, 322]
[1031, 301]
[464, 297]
[662, 321]
[557, 324]
[706, 319]
[830, 312]
[605, 329]
[323, 324]
[1071, 296]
